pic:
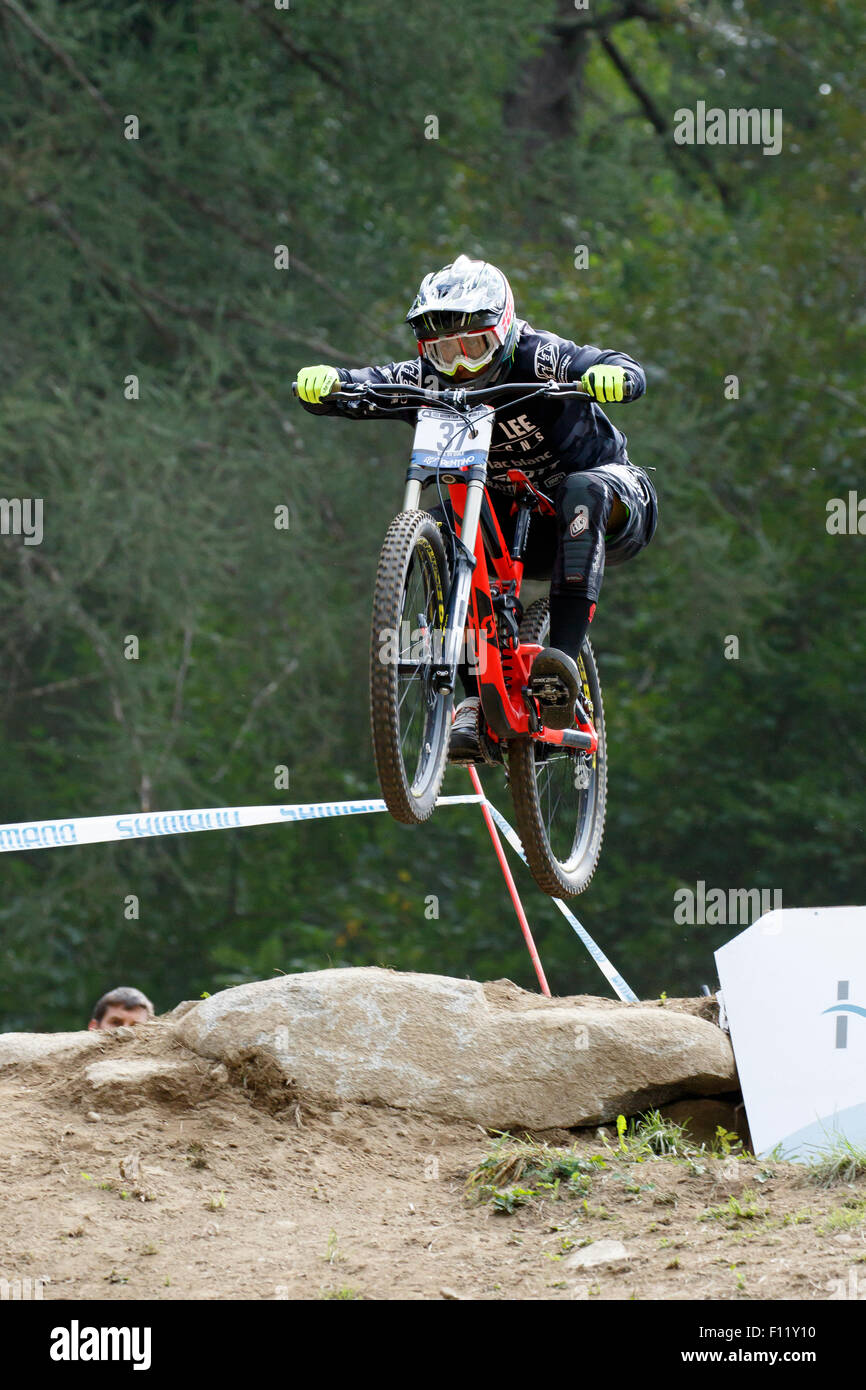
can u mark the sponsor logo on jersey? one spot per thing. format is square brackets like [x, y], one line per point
[408, 373]
[546, 357]
[564, 365]
[580, 522]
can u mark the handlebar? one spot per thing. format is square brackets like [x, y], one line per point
[457, 397]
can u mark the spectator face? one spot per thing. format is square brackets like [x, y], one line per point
[119, 1016]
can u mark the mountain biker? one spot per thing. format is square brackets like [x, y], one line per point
[606, 507]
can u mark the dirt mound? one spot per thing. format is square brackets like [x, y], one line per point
[160, 1175]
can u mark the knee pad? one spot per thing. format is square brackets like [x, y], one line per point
[583, 508]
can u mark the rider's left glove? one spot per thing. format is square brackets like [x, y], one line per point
[314, 383]
[606, 383]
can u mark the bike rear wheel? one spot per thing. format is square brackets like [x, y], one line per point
[560, 794]
[411, 720]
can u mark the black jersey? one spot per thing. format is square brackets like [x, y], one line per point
[546, 437]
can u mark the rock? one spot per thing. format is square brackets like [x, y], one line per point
[505, 994]
[134, 1073]
[178, 1011]
[601, 1252]
[433, 1044]
[21, 1048]
[133, 1069]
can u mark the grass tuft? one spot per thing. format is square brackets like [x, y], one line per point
[839, 1161]
[517, 1171]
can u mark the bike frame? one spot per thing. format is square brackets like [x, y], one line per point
[487, 575]
[503, 665]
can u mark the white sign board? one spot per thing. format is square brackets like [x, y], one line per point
[794, 989]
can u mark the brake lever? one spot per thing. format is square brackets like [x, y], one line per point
[566, 388]
[352, 388]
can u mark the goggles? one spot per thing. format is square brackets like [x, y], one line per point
[470, 350]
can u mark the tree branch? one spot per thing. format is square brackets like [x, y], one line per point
[71, 683]
[291, 46]
[92, 630]
[177, 704]
[59, 53]
[264, 694]
[199, 203]
[148, 296]
[657, 120]
[633, 10]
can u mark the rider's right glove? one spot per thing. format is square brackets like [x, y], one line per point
[316, 382]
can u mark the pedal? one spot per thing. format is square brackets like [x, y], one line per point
[489, 756]
[552, 694]
[550, 690]
[473, 747]
[555, 700]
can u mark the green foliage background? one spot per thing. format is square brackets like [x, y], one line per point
[306, 127]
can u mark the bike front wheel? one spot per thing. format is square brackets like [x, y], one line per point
[560, 794]
[411, 719]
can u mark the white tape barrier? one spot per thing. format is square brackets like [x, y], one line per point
[98, 830]
[144, 825]
[610, 973]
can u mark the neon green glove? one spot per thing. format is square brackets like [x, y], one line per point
[316, 382]
[605, 383]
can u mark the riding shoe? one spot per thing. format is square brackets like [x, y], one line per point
[555, 682]
[465, 745]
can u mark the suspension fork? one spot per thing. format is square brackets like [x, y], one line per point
[444, 677]
[412, 495]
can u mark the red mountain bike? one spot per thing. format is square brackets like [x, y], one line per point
[445, 592]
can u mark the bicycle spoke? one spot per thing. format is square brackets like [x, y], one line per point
[561, 804]
[409, 684]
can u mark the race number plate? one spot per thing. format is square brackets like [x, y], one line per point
[443, 438]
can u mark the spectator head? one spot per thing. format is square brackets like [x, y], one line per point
[119, 1007]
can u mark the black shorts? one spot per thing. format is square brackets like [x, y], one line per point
[632, 486]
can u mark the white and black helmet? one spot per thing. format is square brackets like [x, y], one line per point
[463, 316]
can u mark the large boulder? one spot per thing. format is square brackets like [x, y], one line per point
[457, 1049]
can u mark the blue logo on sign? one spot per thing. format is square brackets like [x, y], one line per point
[842, 1010]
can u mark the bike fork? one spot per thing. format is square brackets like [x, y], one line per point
[458, 604]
